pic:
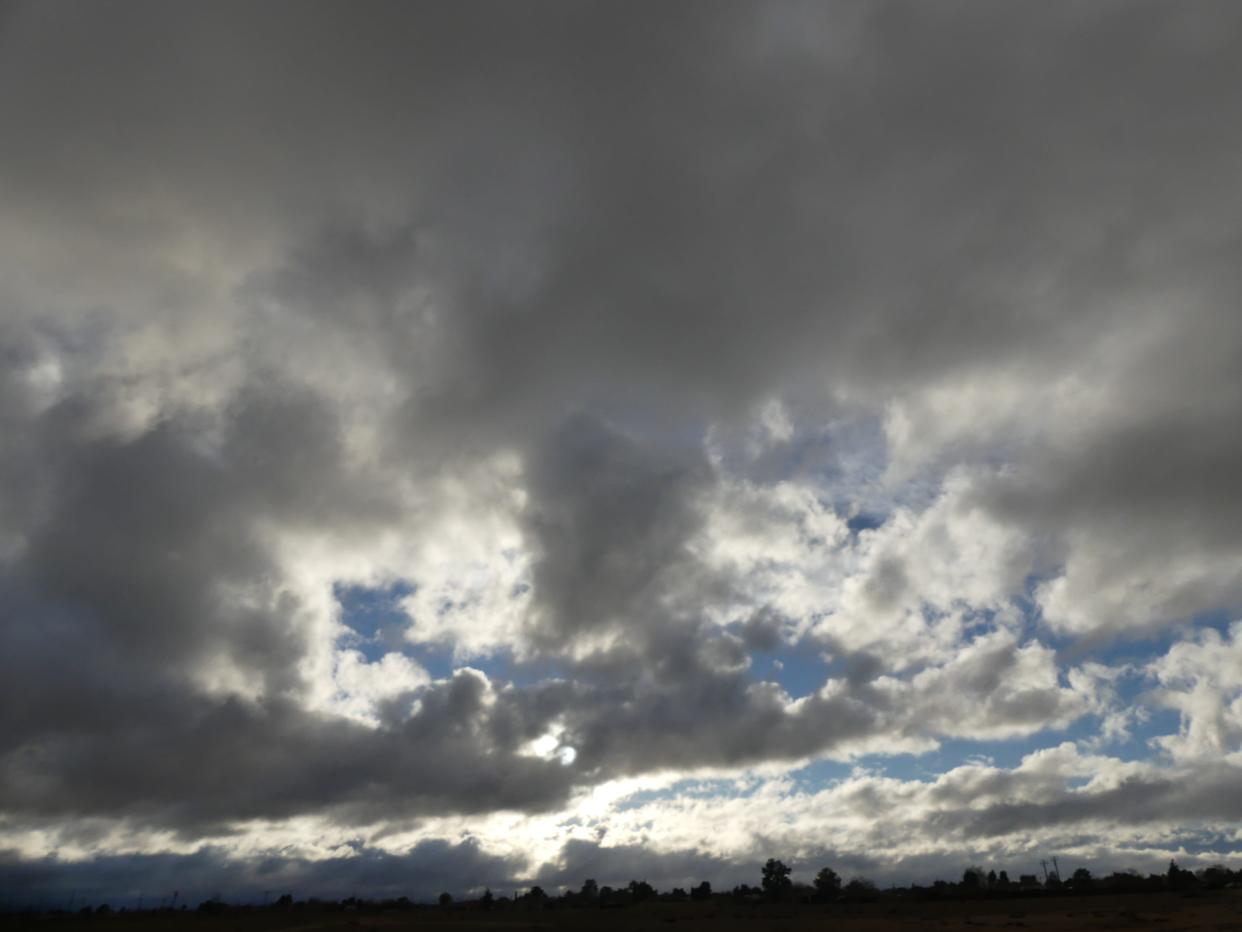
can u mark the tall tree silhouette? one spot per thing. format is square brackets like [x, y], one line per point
[827, 883]
[775, 879]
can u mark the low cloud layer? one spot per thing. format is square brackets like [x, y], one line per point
[426, 424]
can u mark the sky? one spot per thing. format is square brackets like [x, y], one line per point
[462, 445]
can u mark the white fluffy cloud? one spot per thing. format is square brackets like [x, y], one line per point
[926, 577]
[1202, 679]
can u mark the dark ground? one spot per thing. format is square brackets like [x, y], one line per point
[1156, 911]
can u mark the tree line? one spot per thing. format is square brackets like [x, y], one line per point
[775, 884]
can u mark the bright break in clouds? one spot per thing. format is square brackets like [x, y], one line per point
[477, 443]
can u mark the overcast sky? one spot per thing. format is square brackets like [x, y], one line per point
[462, 444]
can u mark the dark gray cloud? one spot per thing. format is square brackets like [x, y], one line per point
[149, 545]
[146, 572]
[612, 521]
[421, 873]
[1210, 795]
[690, 226]
[199, 766]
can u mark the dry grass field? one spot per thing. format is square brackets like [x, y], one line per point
[1163, 912]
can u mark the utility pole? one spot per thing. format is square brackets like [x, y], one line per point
[1044, 865]
[1057, 868]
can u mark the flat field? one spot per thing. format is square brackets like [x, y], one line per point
[1147, 911]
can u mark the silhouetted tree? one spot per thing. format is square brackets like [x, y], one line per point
[285, 900]
[702, 892]
[446, 899]
[1081, 879]
[860, 888]
[590, 889]
[1179, 879]
[641, 890]
[487, 899]
[973, 878]
[827, 884]
[1003, 880]
[1215, 876]
[536, 897]
[992, 879]
[775, 879]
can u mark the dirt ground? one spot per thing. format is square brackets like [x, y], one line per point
[1163, 912]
